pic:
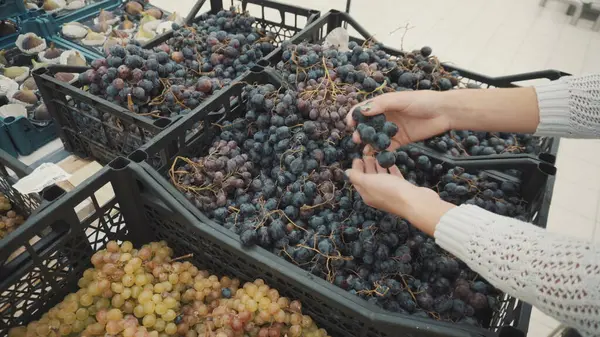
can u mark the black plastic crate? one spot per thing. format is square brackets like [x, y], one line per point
[90, 126]
[141, 212]
[536, 184]
[11, 170]
[316, 32]
[292, 19]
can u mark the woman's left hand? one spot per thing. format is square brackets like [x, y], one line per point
[390, 192]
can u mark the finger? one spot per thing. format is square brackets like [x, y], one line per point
[356, 137]
[368, 150]
[395, 171]
[350, 121]
[380, 169]
[358, 165]
[369, 165]
[355, 176]
[380, 104]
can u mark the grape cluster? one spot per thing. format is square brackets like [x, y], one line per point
[280, 184]
[473, 143]
[376, 132]
[9, 219]
[147, 293]
[367, 67]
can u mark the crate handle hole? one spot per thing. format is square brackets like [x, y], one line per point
[162, 122]
[263, 63]
[119, 163]
[547, 169]
[138, 156]
[9, 119]
[256, 69]
[52, 193]
[547, 157]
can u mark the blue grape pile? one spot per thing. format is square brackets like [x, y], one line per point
[222, 45]
[371, 71]
[175, 77]
[473, 143]
[147, 82]
[369, 68]
[275, 177]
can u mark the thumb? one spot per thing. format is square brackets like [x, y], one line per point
[355, 176]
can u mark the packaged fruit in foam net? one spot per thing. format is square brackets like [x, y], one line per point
[275, 177]
[132, 20]
[31, 52]
[147, 292]
[176, 76]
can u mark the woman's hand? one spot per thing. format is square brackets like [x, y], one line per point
[390, 192]
[417, 114]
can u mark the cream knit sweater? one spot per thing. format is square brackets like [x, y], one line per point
[558, 275]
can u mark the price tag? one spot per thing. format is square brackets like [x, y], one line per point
[43, 176]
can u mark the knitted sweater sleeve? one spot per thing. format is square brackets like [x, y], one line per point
[558, 275]
[570, 107]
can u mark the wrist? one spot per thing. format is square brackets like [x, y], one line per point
[454, 108]
[423, 208]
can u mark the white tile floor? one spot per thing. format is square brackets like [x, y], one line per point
[494, 37]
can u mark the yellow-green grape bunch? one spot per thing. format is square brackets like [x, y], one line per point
[9, 222]
[5, 204]
[147, 293]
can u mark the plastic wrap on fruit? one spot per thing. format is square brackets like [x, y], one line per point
[74, 30]
[176, 18]
[51, 55]
[13, 110]
[93, 39]
[52, 6]
[164, 27]
[73, 5]
[18, 74]
[72, 58]
[29, 83]
[149, 22]
[338, 38]
[144, 35]
[38, 65]
[25, 97]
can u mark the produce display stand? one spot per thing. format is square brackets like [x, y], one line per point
[11, 170]
[90, 133]
[360, 318]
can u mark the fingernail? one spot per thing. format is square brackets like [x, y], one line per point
[366, 107]
[347, 174]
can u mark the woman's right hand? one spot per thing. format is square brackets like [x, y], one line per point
[418, 114]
